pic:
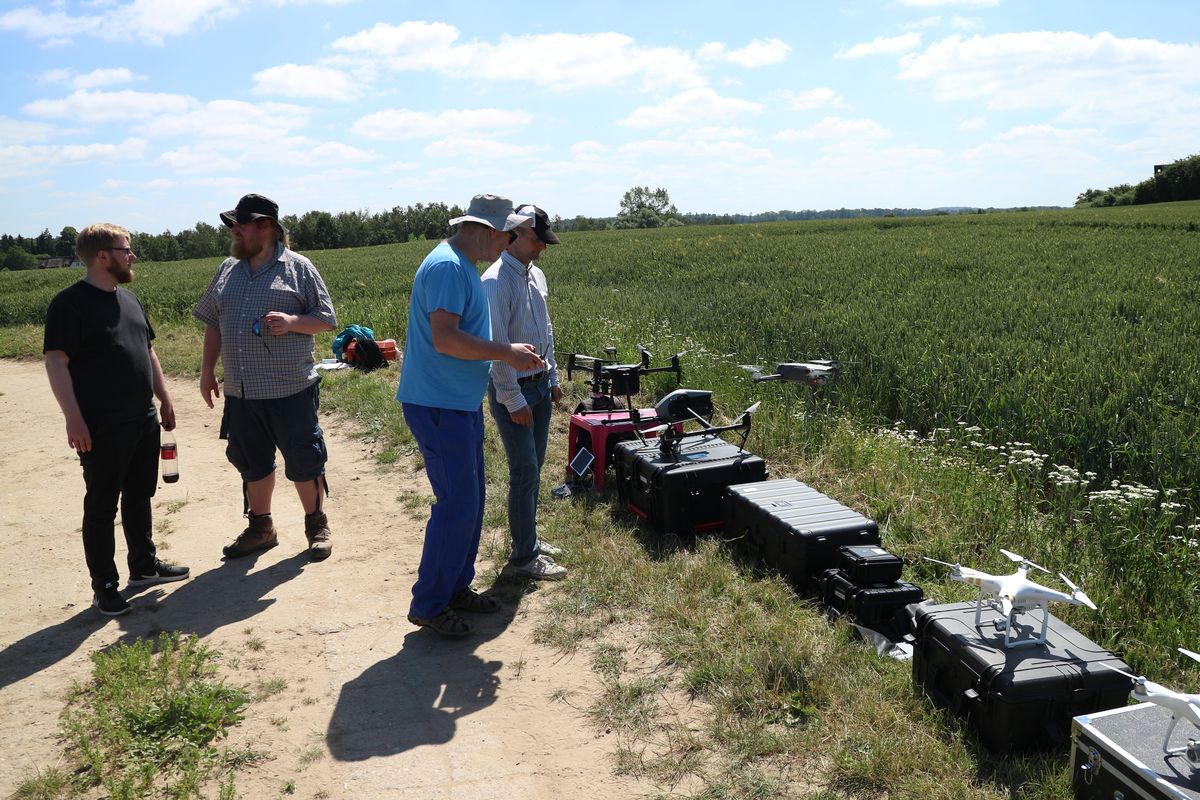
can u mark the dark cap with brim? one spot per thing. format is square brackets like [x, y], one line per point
[541, 222]
[251, 207]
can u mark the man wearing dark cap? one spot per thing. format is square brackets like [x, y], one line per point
[260, 313]
[521, 400]
[447, 354]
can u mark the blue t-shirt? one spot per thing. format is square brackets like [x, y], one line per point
[447, 281]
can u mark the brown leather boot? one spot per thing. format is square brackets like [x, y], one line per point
[259, 535]
[316, 529]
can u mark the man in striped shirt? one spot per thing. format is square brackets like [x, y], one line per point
[521, 402]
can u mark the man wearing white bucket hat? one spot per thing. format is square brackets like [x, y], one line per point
[447, 358]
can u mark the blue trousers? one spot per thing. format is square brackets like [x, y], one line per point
[525, 446]
[451, 443]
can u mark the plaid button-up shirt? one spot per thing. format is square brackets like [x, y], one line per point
[517, 299]
[259, 366]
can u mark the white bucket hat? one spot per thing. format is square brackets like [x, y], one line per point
[495, 212]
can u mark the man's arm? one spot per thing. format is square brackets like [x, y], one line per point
[166, 407]
[208, 364]
[449, 340]
[78, 435]
[279, 323]
[504, 377]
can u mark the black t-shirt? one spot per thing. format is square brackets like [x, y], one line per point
[106, 336]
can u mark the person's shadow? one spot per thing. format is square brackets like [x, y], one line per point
[221, 596]
[417, 696]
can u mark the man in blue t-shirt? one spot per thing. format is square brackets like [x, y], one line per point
[447, 359]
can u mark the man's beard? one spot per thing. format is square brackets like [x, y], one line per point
[122, 272]
[238, 249]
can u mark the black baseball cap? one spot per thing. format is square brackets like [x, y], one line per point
[250, 207]
[541, 222]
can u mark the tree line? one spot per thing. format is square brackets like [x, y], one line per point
[1179, 180]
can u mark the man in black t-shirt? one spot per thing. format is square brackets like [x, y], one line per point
[104, 373]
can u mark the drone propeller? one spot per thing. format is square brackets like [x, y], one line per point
[1138, 680]
[751, 409]
[1023, 560]
[955, 567]
[1190, 654]
[1077, 593]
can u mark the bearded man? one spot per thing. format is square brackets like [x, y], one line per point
[260, 313]
[104, 374]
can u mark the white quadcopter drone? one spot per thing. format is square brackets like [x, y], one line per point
[1015, 594]
[1178, 703]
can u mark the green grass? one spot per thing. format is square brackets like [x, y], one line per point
[1072, 331]
[146, 724]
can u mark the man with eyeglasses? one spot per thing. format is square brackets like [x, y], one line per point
[260, 314]
[104, 373]
[521, 401]
[447, 353]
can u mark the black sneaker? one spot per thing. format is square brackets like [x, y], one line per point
[108, 601]
[163, 573]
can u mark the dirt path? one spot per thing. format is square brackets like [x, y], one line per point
[371, 708]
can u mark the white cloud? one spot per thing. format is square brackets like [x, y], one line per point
[1047, 148]
[26, 159]
[101, 77]
[559, 62]
[973, 124]
[401, 123]
[327, 154]
[232, 122]
[16, 131]
[589, 150]
[295, 80]
[837, 129]
[691, 107]
[695, 151]
[188, 160]
[469, 149]
[882, 45]
[108, 106]
[812, 99]
[759, 53]
[151, 21]
[158, 184]
[1086, 77]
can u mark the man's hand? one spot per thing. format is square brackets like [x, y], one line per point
[209, 388]
[166, 410]
[555, 395]
[524, 357]
[279, 323]
[78, 435]
[522, 416]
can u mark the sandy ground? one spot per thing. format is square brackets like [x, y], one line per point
[371, 707]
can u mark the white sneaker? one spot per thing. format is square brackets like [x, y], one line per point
[547, 549]
[541, 568]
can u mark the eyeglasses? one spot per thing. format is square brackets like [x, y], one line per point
[126, 250]
[257, 329]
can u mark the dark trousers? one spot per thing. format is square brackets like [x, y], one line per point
[123, 463]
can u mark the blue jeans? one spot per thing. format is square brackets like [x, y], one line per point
[525, 447]
[452, 444]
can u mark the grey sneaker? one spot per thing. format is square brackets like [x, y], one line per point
[109, 602]
[547, 549]
[162, 573]
[541, 568]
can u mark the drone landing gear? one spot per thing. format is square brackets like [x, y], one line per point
[1008, 625]
[1191, 750]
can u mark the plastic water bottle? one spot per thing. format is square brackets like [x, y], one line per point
[169, 460]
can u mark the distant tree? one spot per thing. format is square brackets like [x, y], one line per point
[65, 245]
[16, 258]
[642, 207]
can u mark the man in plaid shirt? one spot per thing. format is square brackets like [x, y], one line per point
[260, 313]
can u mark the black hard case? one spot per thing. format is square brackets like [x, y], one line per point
[794, 528]
[683, 491]
[870, 564]
[1119, 753]
[868, 605]
[1019, 699]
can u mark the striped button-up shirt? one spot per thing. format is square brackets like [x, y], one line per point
[259, 366]
[517, 299]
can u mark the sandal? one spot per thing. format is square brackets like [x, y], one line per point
[446, 623]
[470, 600]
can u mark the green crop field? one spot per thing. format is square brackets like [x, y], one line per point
[1022, 380]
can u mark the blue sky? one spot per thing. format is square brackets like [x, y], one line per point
[157, 113]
